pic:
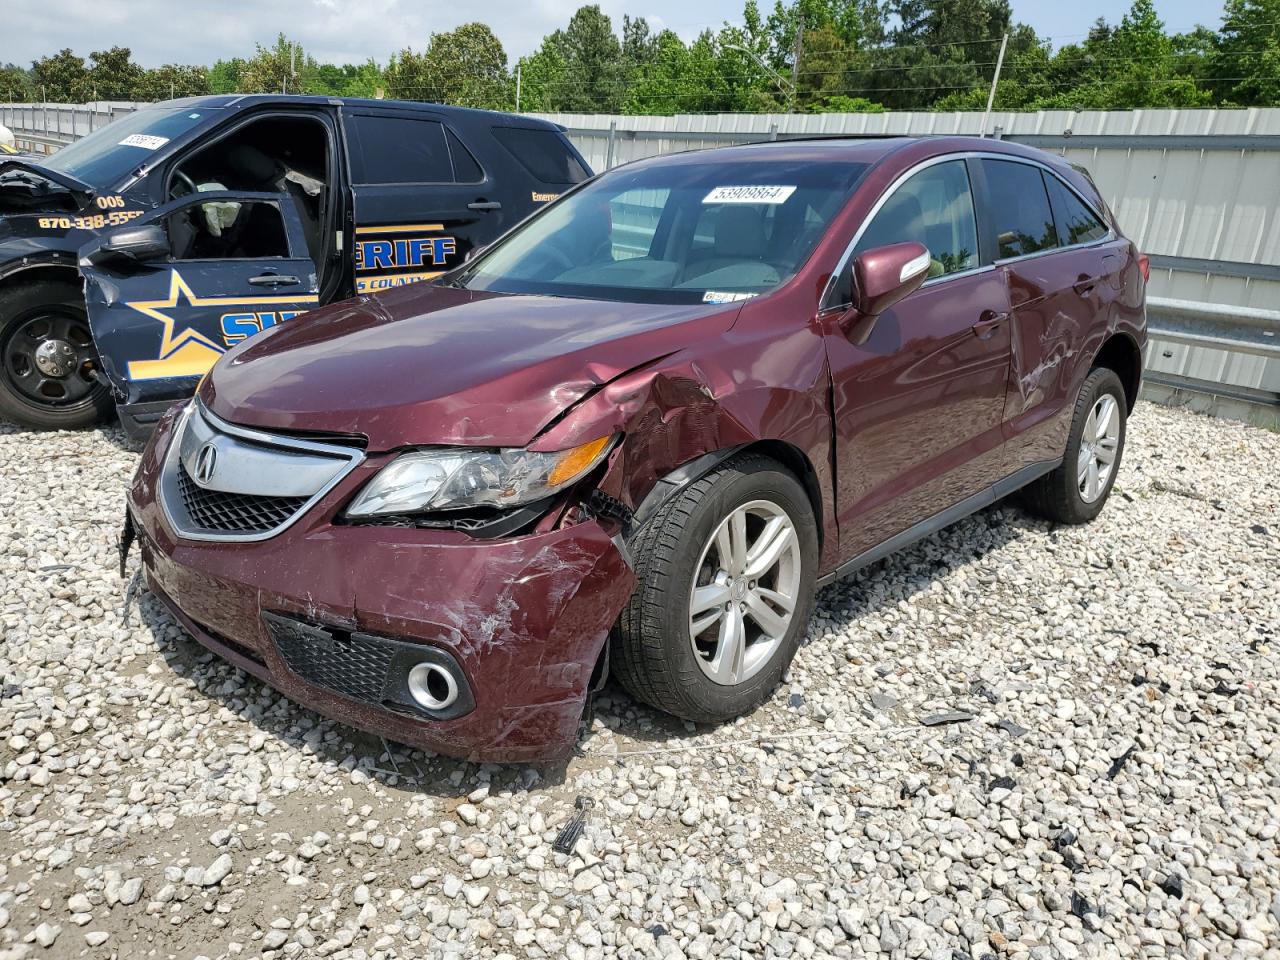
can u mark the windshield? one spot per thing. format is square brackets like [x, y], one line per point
[111, 153]
[684, 232]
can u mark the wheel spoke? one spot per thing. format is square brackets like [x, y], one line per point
[713, 595]
[1090, 431]
[1091, 480]
[724, 547]
[726, 667]
[776, 538]
[1106, 455]
[1105, 411]
[770, 621]
[738, 541]
[698, 626]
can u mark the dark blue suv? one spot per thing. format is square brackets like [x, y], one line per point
[133, 258]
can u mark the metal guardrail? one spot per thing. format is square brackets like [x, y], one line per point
[1249, 330]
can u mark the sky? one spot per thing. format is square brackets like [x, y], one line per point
[352, 31]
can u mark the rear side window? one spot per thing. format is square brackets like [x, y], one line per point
[466, 169]
[1019, 209]
[399, 150]
[933, 207]
[1076, 222]
[543, 153]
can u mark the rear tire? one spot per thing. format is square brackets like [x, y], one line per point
[47, 359]
[731, 665]
[1078, 489]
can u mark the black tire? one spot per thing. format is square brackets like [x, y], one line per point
[655, 658]
[83, 401]
[1056, 496]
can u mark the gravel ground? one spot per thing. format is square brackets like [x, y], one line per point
[1110, 788]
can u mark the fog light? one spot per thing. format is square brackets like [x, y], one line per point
[432, 686]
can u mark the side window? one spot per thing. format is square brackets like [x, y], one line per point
[1076, 222]
[633, 221]
[228, 230]
[543, 153]
[398, 150]
[1019, 209]
[466, 169]
[934, 207]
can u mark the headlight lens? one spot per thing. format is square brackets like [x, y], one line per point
[455, 479]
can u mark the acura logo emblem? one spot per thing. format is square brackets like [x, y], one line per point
[206, 463]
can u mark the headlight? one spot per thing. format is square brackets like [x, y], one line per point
[454, 478]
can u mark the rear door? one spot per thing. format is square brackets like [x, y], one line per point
[1061, 265]
[421, 202]
[237, 265]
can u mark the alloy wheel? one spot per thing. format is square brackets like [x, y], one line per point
[1099, 445]
[746, 587]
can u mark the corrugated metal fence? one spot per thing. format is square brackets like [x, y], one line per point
[1198, 190]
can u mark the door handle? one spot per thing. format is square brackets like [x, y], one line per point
[484, 205]
[990, 322]
[274, 280]
[1084, 284]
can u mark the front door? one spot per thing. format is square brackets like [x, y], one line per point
[237, 264]
[919, 406]
[421, 203]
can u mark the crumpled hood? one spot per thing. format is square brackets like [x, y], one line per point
[424, 364]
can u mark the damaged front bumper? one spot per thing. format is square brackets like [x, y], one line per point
[337, 616]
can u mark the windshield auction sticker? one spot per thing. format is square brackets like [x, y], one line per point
[144, 140]
[749, 194]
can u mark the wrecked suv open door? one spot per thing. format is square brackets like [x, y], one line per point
[176, 289]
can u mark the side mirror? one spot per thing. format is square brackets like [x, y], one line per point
[883, 276]
[139, 244]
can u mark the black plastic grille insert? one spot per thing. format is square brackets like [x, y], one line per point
[354, 665]
[234, 512]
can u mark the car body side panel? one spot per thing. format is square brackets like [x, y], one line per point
[758, 385]
[918, 408]
[1064, 307]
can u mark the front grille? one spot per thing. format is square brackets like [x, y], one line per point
[234, 512]
[354, 665]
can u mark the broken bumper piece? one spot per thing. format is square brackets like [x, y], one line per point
[481, 649]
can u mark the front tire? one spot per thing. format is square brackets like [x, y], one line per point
[1077, 490]
[48, 359]
[725, 579]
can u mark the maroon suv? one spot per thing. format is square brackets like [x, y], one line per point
[634, 435]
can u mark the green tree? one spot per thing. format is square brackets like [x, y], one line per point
[61, 77]
[466, 67]
[224, 75]
[1246, 63]
[282, 67]
[15, 84]
[595, 75]
[113, 75]
[172, 80]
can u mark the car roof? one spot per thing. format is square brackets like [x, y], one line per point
[240, 101]
[855, 149]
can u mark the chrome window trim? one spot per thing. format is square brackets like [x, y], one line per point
[847, 257]
[168, 472]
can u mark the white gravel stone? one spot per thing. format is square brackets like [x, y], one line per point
[1124, 676]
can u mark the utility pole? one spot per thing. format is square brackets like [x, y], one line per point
[795, 62]
[293, 70]
[518, 65]
[991, 97]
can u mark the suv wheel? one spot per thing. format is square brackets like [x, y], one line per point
[47, 359]
[725, 585]
[1077, 490]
